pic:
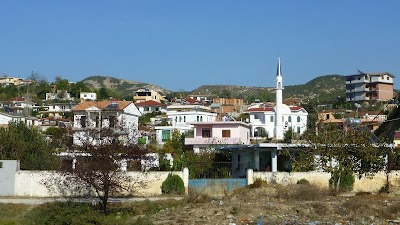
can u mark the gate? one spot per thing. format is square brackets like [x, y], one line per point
[217, 178]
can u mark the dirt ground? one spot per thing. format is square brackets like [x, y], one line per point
[293, 204]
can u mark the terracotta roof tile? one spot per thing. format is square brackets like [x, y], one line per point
[101, 105]
[149, 103]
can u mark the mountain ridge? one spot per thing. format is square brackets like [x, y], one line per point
[324, 88]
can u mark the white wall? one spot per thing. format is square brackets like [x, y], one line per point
[31, 184]
[321, 179]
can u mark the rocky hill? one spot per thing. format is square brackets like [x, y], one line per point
[324, 89]
[127, 87]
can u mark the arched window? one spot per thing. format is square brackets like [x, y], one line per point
[271, 119]
[298, 119]
[184, 119]
[289, 119]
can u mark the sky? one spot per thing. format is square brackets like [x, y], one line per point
[183, 44]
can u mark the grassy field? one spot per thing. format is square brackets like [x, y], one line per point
[82, 213]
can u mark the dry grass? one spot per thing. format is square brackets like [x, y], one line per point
[195, 196]
[301, 192]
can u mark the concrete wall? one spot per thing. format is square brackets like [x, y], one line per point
[25, 183]
[321, 179]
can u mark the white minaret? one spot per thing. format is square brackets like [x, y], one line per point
[278, 105]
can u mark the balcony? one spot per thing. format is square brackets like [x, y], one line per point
[212, 141]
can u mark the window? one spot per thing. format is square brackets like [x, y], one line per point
[1, 164]
[271, 119]
[184, 119]
[112, 121]
[327, 116]
[198, 119]
[206, 132]
[289, 119]
[165, 135]
[256, 116]
[201, 118]
[298, 130]
[180, 119]
[298, 119]
[146, 109]
[83, 121]
[226, 133]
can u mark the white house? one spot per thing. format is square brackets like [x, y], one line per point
[150, 106]
[180, 117]
[209, 135]
[88, 96]
[57, 109]
[123, 115]
[6, 118]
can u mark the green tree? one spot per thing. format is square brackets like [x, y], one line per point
[176, 145]
[27, 144]
[339, 149]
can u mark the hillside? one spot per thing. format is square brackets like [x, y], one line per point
[322, 89]
[127, 87]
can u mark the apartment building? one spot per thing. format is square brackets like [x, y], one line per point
[369, 87]
[145, 94]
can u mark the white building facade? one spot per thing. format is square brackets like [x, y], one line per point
[122, 115]
[212, 135]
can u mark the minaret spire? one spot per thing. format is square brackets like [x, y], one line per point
[278, 134]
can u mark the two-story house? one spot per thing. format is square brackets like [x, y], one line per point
[180, 117]
[121, 115]
[211, 135]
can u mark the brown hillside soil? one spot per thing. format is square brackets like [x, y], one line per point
[293, 204]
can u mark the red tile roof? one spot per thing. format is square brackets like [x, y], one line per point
[101, 105]
[149, 103]
[266, 109]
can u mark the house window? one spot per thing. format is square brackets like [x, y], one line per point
[165, 135]
[256, 116]
[289, 119]
[206, 132]
[1, 165]
[226, 133]
[83, 121]
[298, 130]
[146, 109]
[201, 118]
[180, 119]
[184, 119]
[327, 116]
[298, 119]
[112, 121]
[198, 119]
[271, 118]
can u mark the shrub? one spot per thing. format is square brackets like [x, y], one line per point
[258, 183]
[303, 181]
[173, 185]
